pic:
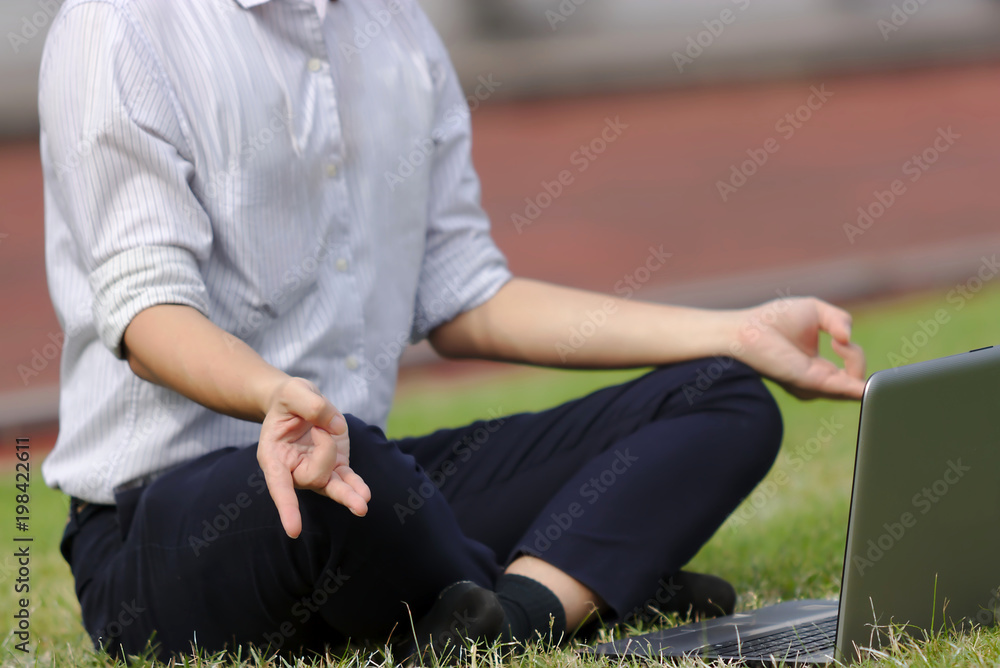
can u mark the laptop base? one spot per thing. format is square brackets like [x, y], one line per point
[738, 636]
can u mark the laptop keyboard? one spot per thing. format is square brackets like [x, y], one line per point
[816, 637]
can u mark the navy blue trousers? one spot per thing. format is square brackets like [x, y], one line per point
[618, 489]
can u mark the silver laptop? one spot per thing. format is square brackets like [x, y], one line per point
[923, 538]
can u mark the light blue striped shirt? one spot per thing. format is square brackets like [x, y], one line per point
[305, 183]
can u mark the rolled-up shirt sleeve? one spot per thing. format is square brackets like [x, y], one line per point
[119, 168]
[462, 266]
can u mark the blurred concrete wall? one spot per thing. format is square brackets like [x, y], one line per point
[24, 24]
[542, 47]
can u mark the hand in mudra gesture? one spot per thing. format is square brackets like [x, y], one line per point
[304, 444]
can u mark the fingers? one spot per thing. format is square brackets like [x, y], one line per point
[834, 320]
[305, 400]
[314, 471]
[305, 444]
[338, 425]
[842, 386]
[327, 472]
[356, 483]
[853, 356]
[348, 489]
[832, 382]
[342, 485]
[282, 490]
[849, 382]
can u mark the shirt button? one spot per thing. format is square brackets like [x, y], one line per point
[351, 362]
[341, 264]
[331, 170]
[315, 64]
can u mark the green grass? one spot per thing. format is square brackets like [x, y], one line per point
[785, 542]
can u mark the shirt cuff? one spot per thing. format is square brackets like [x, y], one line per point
[138, 278]
[452, 297]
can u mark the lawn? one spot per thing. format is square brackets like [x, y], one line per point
[786, 541]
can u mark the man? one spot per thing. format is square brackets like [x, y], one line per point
[236, 259]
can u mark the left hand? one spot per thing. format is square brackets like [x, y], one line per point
[780, 339]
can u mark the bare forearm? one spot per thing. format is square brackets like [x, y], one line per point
[539, 323]
[177, 347]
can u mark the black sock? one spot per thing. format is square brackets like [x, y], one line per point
[530, 610]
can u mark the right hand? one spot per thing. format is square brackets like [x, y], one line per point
[780, 339]
[304, 444]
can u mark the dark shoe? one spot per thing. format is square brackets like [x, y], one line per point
[464, 612]
[693, 596]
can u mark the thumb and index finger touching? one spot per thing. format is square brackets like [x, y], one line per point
[326, 459]
[850, 381]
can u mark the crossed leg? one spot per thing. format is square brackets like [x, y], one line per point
[597, 499]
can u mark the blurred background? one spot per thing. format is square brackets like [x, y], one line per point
[842, 148]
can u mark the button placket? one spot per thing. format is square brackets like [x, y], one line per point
[335, 195]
